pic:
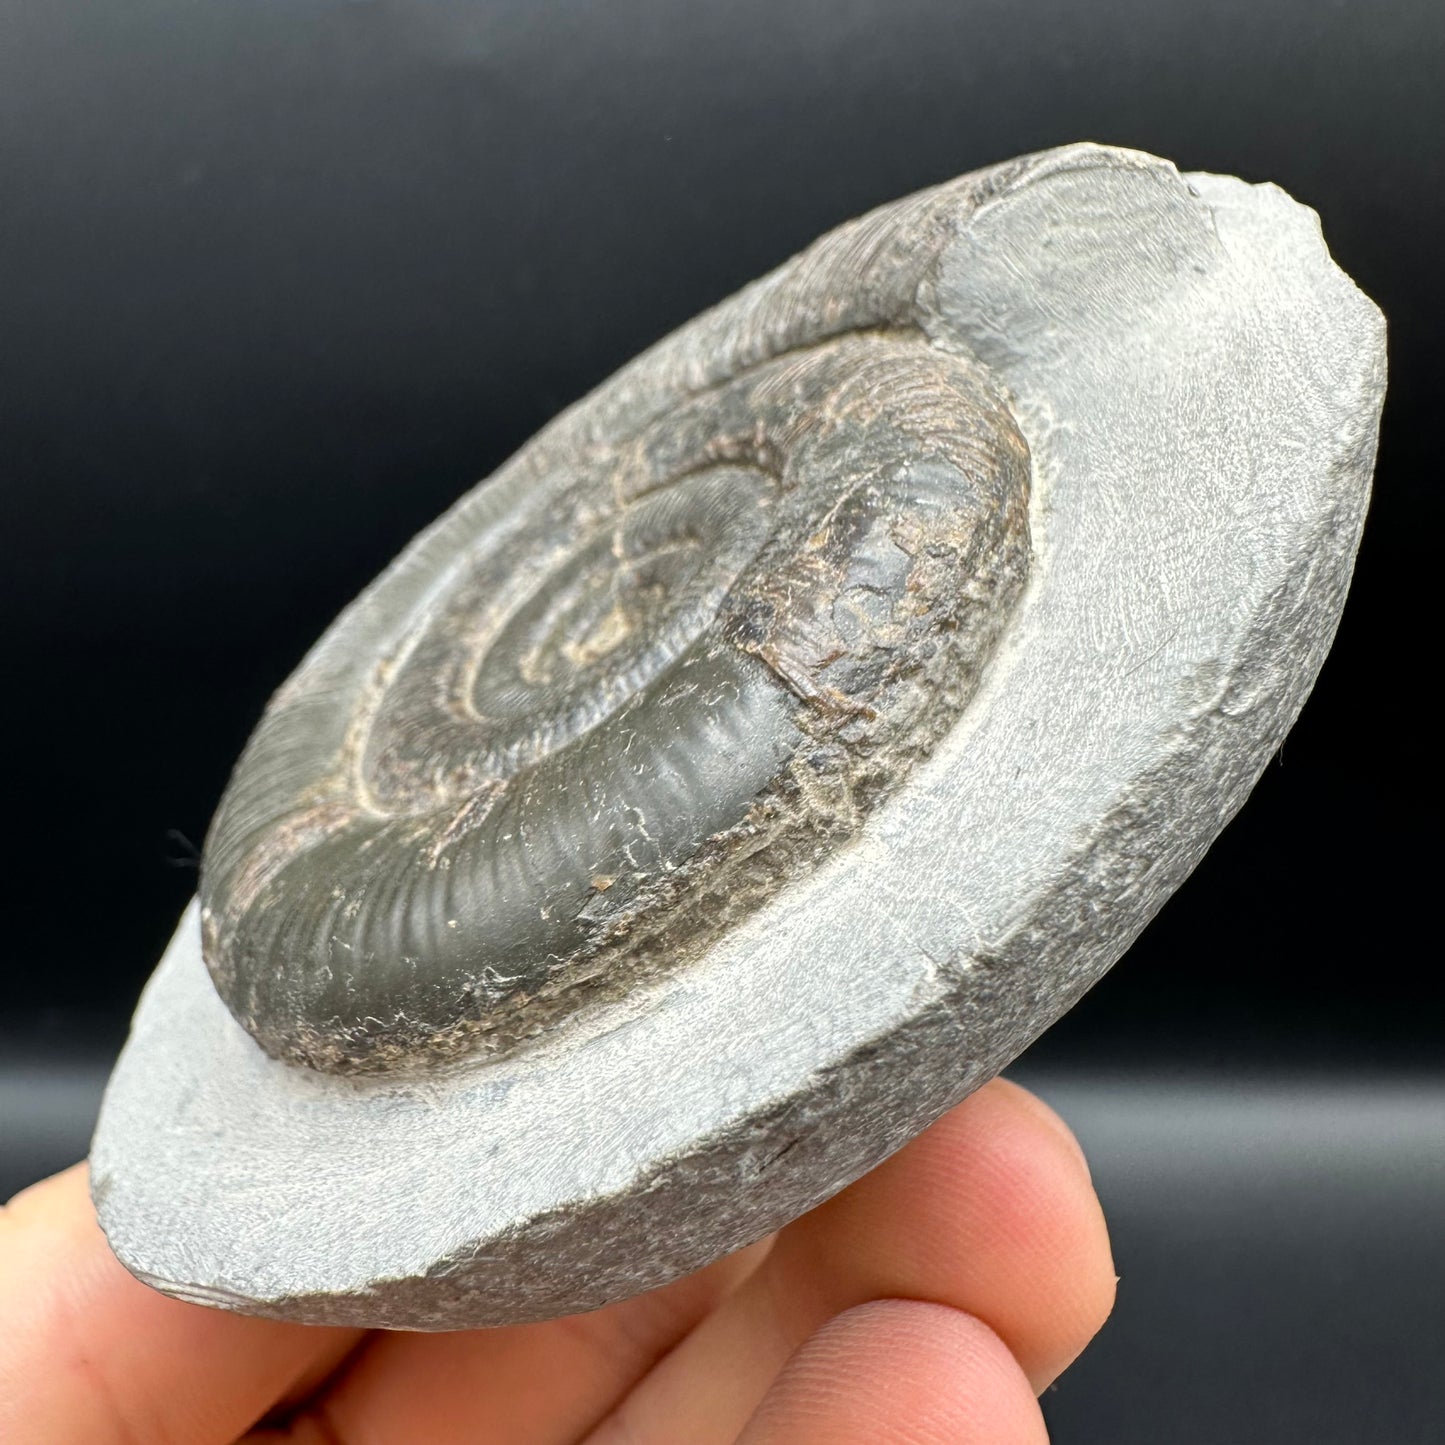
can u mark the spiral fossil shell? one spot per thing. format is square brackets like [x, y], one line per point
[589, 721]
[792, 731]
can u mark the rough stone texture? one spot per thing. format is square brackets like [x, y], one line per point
[1199, 387]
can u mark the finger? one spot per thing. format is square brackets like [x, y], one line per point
[90, 1356]
[324, 1373]
[899, 1372]
[546, 1384]
[990, 1211]
[1001, 1219]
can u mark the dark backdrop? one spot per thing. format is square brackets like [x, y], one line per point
[278, 281]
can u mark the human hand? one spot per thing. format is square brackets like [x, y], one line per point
[928, 1302]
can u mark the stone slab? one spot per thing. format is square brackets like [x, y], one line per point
[1200, 388]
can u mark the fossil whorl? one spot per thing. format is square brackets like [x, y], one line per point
[668, 659]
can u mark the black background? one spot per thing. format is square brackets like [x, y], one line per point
[279, 281]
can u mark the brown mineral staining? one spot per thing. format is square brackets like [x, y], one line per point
[573, 740]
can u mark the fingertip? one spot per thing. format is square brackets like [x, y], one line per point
[896, 1371]
[1004, 1223]
[1055, 1281]
[92, 1354]
[1028, 1181]
[1045, 1114]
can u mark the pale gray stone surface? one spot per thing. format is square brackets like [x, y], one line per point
[1200, 387]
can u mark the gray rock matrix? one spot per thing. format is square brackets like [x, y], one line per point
[1199, 389]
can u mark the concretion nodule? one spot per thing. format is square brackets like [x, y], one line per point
[759, 761]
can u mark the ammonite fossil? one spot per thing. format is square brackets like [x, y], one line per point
[758, 761]
[615, 699]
